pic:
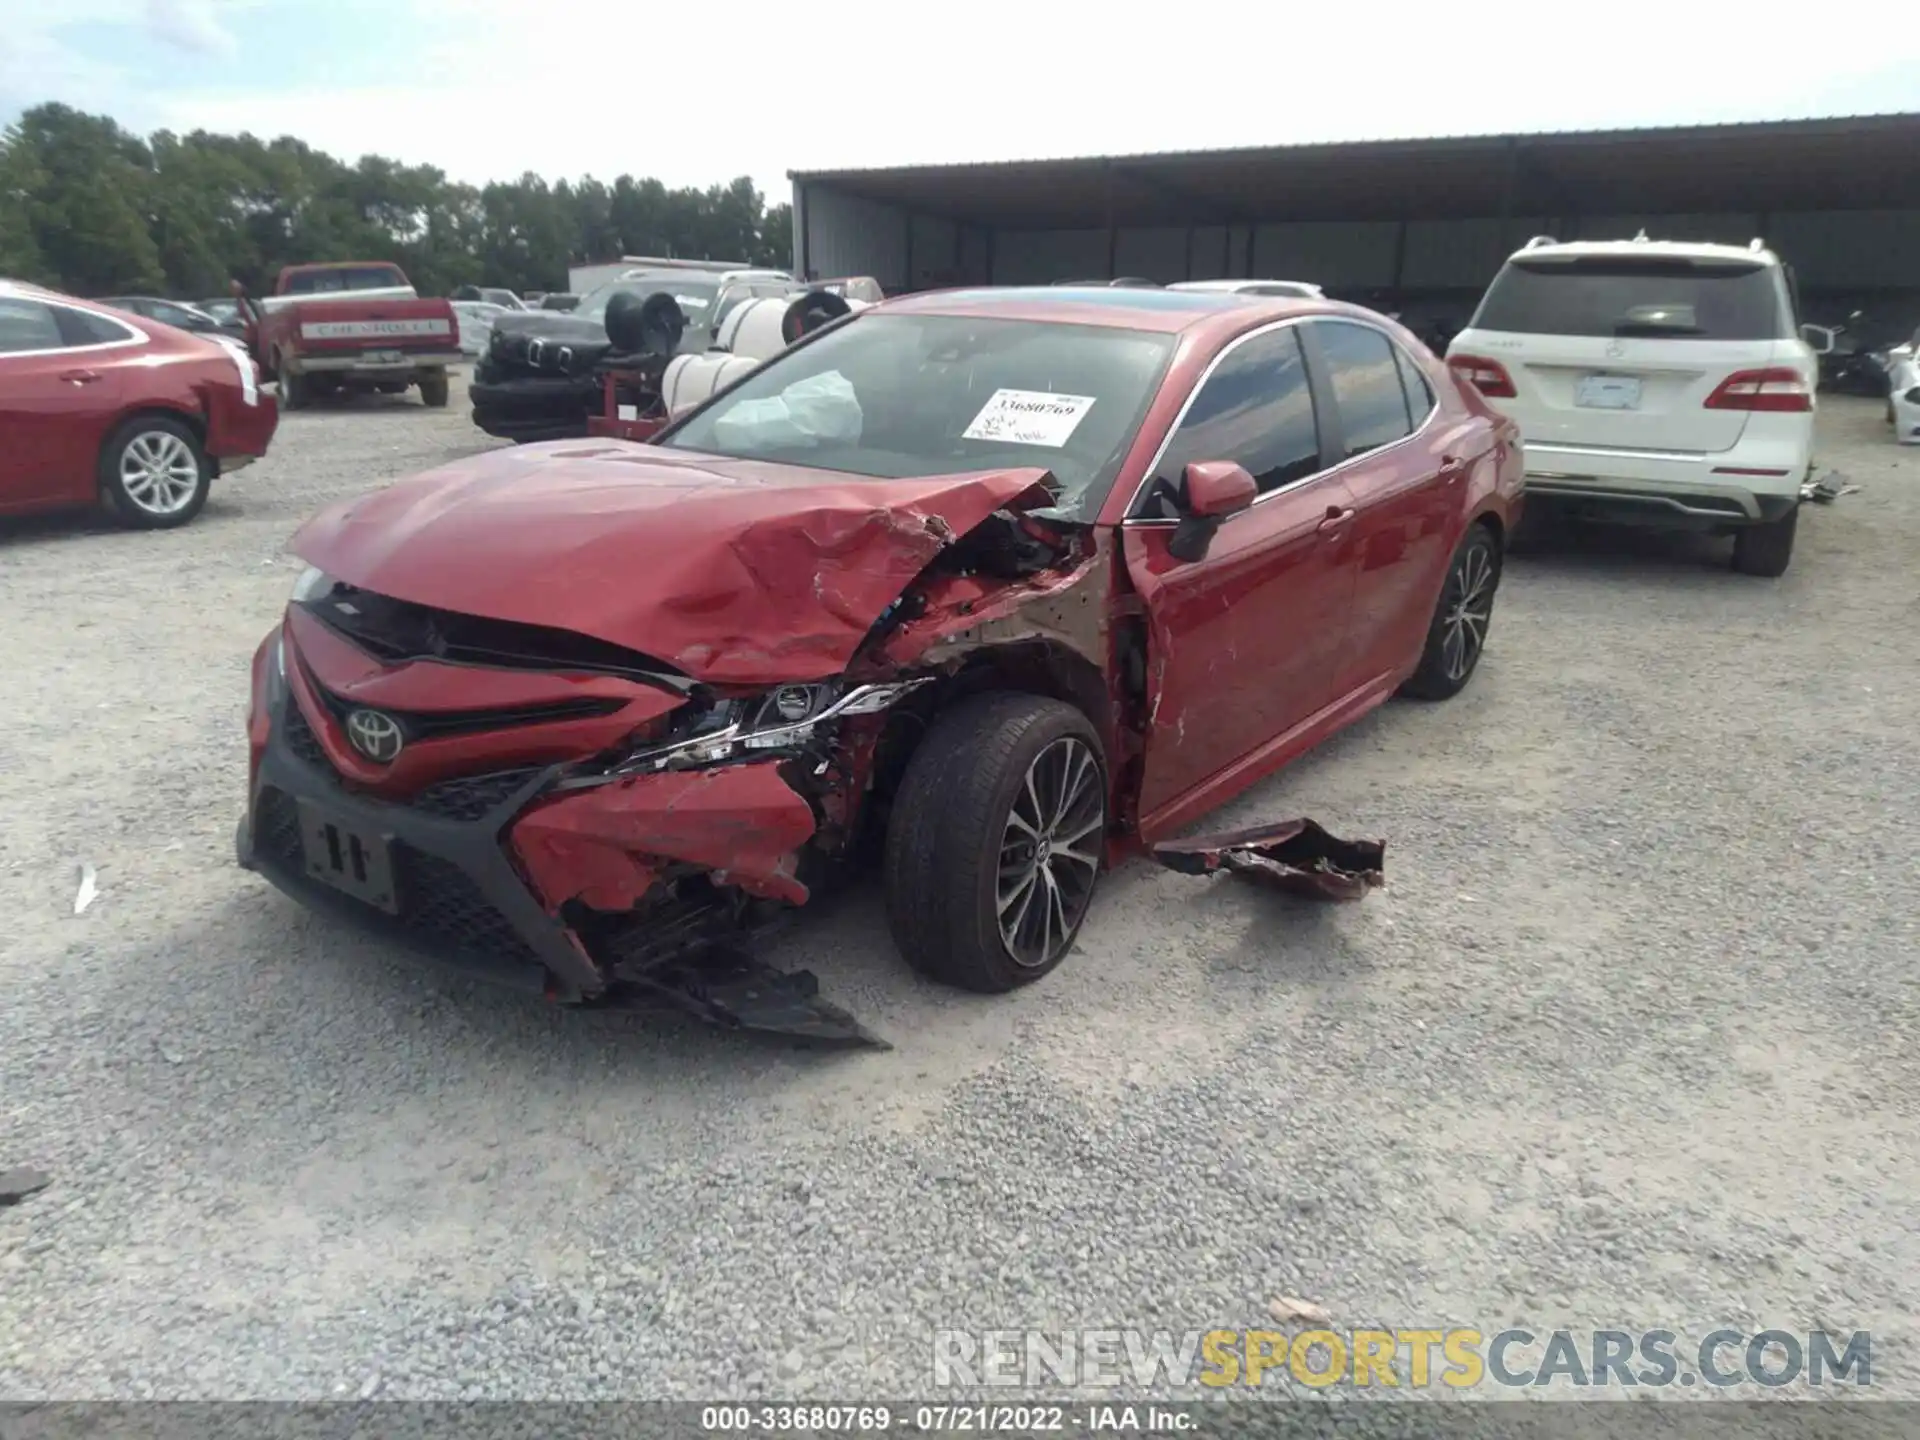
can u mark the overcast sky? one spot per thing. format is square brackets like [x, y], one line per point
[486, 89]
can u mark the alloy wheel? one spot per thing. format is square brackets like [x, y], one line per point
[1469, 611]
[1050, 852]
[159, 473]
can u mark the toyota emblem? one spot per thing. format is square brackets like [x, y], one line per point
[375, 736]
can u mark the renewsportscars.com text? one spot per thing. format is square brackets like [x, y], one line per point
[1458, 1358]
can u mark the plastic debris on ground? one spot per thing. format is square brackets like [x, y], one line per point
[1296, 857]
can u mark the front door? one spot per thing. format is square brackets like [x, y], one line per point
[1242, 644]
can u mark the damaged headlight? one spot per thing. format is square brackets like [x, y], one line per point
[782, 719]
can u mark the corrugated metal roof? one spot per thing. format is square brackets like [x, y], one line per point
[1838, 162]
[1224, 152]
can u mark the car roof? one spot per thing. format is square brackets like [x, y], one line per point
[1753, 254]
[1168, 311]
[1208, 286]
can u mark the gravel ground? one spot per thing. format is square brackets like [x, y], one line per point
[1626, 1041]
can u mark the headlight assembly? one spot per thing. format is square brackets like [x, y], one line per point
[312, 584]
[780, 720]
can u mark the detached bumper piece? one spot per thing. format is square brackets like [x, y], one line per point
[1295, 857]
[433, 873]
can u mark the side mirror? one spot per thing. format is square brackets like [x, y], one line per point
[1215, 490]
[1819, 337]
[1218, 488]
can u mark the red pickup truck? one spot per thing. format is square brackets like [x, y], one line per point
[353, 326]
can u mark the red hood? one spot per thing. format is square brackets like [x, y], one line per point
[734, 571]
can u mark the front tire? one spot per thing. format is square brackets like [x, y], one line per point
[1458, 632]
[996, 841]
[154, 474]
[1766, 550]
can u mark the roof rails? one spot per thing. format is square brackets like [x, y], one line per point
[1537, 241]
[1756, 245]
[1641, 238]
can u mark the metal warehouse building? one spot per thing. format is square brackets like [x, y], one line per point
[1400, 219]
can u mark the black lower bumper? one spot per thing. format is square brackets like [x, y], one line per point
[535, 407]
[456, 895]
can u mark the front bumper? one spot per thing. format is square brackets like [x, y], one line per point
[459, 897]
[642, 888]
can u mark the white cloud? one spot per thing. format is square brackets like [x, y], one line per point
[191, 25]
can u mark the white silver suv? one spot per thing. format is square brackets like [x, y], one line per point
[1654, 382]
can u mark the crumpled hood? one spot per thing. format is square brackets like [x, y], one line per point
[733, 571]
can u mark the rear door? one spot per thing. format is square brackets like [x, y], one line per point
[1407, 472]
[1243, 642]
[57, 381]
[1623, 352]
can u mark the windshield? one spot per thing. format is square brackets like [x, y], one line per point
[344, 277]
[505, 299]
[892, 396]
[1658, 298]
[694, 292]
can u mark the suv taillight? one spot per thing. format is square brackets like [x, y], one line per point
[1776, 390]
[1489, 377]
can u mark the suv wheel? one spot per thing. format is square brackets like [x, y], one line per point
[995, 842]
[1458, 632]
[1766, 549]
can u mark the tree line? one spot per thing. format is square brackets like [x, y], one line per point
[93, 209]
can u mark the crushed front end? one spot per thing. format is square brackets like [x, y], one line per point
[549, 811]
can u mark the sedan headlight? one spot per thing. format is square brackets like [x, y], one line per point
[782, 719]
[312, 584]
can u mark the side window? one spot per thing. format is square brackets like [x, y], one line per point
[1256, 408]
[171, 315]
[82, 327]
[1419, 392]
[1367, 386]
[27, 325]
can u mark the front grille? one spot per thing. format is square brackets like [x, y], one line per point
[472, 797]
[469, 797]
[438, 901]
[439, 724]
[276, 829]
[300, 737]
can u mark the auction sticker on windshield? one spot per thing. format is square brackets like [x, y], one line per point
[1029, 417]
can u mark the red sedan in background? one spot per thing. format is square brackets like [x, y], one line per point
[98, 405]
[1005, 582]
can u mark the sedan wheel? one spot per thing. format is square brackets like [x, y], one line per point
[1458, 632]
[1050, 852]
[154, 473]
[996, 840]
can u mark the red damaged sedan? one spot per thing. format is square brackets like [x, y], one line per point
[985, 588]
[99, 406]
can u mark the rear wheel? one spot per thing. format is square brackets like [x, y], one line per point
[995, 842]
[154, 473]
[433, 390]
[1458, 631]
[1767, 549]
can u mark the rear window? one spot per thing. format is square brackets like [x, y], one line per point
[1661, 299]
[344, 277]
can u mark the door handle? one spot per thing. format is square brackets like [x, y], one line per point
[1336, 518]
[80, 377]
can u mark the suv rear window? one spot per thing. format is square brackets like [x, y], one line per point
[1657, 298]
